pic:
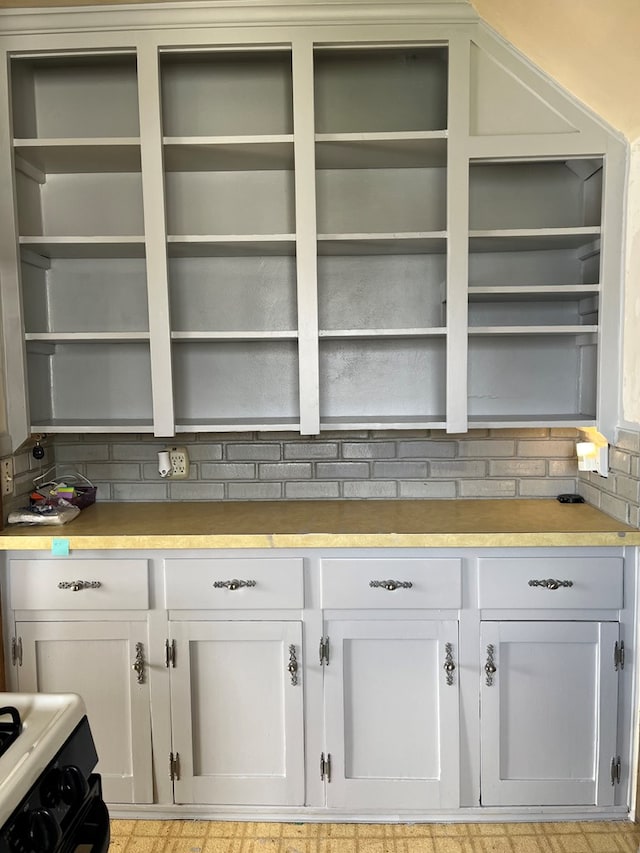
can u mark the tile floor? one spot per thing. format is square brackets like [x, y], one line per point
[198, 836]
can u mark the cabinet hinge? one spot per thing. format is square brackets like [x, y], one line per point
[615, 770]
[174, 766]
[324, 651]
[16, 651]
[170, 653]
[618, 655]
[325, 767]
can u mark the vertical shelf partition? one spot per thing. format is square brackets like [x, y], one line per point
[83, 278]
[229, 184]
[381, 154]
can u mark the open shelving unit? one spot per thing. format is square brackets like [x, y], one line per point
[534, 251]
[79, 204]
[381, 196]
[303, 228]
[229, 192]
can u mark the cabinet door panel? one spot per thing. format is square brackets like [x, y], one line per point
[236, 715]
[549, 715]
[95, 660]
[391, 716]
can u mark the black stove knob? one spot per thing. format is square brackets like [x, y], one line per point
[50, 788]
[43, 831]
[73, 785]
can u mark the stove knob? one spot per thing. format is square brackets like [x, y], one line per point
[50, 788]
[43, 831]
[73, 786]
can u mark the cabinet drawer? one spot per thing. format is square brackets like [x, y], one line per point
[78, 585]
[233, 584]
[584, 583]
[374, 584]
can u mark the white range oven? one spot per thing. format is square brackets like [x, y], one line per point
[50, 798]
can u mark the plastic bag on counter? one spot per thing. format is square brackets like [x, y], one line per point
[43, 514]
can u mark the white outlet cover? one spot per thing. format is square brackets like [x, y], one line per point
[179, 459]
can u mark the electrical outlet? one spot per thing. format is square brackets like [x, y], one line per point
[7, 476]
[179, 459]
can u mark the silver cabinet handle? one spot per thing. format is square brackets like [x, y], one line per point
[490, 666]
[390, 585]
[293, 665]
[449, 663]
[233, 584]
[138, 664]
[76, 586]
[551, 583]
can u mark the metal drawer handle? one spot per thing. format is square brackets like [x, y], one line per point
[391, 585]
[138, 664]
[449, 663]
[293, 665]
[551, 583]
[234, 584]
[76, 586]
[490, 666]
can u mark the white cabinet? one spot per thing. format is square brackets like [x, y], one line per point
[548, 709]
[392, 714]
[549, 690]
[81, 627]
[450, 683]
[236, 680]
[96, 659]
[391, 682]
[302, 228]
[236, 712]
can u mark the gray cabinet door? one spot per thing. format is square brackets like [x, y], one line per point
[392, 717]
[95, 659]
[548, 713]
[237, 713]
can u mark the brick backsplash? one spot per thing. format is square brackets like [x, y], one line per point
[509, 463]
[618, 494]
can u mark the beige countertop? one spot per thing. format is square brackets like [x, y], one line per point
[328, 524]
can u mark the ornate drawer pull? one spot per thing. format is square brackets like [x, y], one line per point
[76, 586]
[234, 584]
[490, 666]
[293, 665]
[138, 664]
[449, 663]
[551, 583]
[391, 585]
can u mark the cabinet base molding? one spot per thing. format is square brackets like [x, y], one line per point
[319, 815]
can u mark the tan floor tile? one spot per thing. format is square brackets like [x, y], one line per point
[444, 844]
[496, 844]
[121, 828]
[527, 844]
[118, 844]
[451, 830]
[156, 828]
[139, 844]
[221, 845]
[184, 845]
[604, 842]
[574, 843]
[374, 830]
[300, 830]
[340, 830]
[411, 830]
[337, 845]
[420, 845]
